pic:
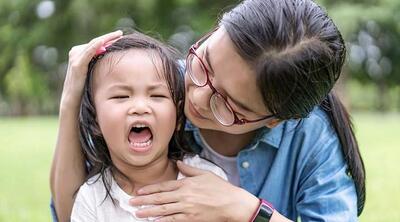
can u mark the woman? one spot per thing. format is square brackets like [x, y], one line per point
[259, 101]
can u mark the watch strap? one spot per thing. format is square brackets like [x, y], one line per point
[264, 212]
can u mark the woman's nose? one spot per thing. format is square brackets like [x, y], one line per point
[201, 97]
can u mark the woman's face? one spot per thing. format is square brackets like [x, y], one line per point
[233, 78]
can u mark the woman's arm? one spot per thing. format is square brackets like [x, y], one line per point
[68, 170]
[68, 166]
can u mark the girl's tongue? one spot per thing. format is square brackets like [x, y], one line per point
[141, 136]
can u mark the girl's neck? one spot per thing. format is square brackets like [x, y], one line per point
[159, 171]
[226, 144]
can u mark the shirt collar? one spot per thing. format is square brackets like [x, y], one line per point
[270, 136]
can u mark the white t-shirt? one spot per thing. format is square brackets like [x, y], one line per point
[90, 204]
[228, 164]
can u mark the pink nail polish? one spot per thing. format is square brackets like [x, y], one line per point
[100, 51]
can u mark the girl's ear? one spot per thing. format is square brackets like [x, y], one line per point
[272, 123]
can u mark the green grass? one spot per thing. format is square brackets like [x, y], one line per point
[379, 140]
[25, 157]
[27, 149]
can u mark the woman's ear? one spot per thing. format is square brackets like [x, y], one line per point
[272, 123]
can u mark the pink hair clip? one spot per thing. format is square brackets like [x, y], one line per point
[103, 48]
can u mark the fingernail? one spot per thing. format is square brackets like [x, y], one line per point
[100, 50]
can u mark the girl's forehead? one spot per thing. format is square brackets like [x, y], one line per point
[135, 58]
[121, 66]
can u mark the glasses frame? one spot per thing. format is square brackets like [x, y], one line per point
[236, 120]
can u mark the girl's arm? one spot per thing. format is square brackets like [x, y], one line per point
[68, 166]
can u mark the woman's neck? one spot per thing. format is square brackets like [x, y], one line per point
[226, 144]
[137, 177]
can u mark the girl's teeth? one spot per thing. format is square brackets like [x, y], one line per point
[139, 125]
[141, 144]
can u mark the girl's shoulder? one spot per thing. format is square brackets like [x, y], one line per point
[203, 164]
[94, 185]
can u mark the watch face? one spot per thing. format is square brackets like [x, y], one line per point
[265, 213]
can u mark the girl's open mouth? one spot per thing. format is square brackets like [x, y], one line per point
[140, 138]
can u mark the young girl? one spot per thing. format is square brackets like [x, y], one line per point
[131, 120]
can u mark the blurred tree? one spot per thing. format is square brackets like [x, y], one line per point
[36, 35]
[373, 58]
[24, 87]
[372, 31]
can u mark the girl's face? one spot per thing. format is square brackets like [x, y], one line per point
[135, 111]
[233, 78]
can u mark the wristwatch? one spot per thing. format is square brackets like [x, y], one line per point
[264, 212]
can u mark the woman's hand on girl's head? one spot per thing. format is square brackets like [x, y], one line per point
[79, 58]
[201, 196]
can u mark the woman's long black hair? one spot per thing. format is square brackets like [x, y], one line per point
[93, 144]
[298, 54]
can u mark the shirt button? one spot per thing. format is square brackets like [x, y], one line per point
[245, 164]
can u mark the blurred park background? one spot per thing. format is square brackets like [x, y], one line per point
[35, 37]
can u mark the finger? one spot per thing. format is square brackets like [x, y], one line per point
[96, 43]
[104, 39]
[173, 218]
[157, 211]
[76, 50]
[110, 36]
[190, 171]
[160, 187]
[106, 44]
[155, 199]
[90, 51]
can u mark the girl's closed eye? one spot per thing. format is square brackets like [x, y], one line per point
[120, 97]
[160, 95]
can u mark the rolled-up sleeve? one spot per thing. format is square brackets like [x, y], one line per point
[53, 211]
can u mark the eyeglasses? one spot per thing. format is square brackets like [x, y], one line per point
[219, 104]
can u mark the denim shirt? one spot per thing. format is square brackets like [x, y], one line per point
[299, 167]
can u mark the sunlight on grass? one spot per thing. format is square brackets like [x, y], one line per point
[25, 158]
[379, 141]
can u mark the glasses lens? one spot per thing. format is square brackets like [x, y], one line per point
[221, 110]
[196, 70]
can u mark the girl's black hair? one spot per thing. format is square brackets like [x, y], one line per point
[297, 53]
[93, 144]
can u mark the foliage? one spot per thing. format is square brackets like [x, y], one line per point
[372, 32]
[35, 37]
